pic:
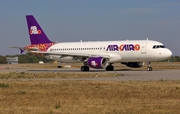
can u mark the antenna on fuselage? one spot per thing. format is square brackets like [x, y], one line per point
[80, 40]
[147, 38]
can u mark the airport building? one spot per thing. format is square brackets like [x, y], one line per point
[12, 60]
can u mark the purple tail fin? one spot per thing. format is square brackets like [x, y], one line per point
[37, 35]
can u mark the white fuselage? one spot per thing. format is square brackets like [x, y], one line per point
[118, 51]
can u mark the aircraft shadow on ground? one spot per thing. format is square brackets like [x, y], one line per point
[91, 70]
[64, 70]
[134, 70]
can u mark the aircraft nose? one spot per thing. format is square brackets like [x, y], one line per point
[168, 53]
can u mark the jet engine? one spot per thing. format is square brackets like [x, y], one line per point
[97, 62]
[133, 64]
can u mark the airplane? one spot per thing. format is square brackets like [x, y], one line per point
[95, 54]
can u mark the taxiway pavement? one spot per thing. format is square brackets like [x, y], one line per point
[127, 74]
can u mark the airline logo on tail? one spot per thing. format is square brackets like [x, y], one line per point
[34, 30]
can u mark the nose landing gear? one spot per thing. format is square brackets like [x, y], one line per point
[149, 67]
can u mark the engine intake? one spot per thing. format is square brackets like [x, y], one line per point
[97, 62]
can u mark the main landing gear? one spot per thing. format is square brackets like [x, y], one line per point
[110, 68]
[84, 68]
[149, 67]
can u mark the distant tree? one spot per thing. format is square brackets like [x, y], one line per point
[2, 59]
[27, 58]
[176, 58]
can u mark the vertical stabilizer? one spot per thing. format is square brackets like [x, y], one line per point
[36, 34]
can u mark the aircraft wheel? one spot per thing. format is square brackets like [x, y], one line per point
[87, 68]
[84, 68]
[109, 68]
[59, 66]
[149, 68]
[112, 68]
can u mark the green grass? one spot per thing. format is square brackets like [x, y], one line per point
[2, 85]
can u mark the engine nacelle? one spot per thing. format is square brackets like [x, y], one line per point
[97, 62]
[133, 64]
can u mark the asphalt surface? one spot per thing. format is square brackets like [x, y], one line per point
[127, 74]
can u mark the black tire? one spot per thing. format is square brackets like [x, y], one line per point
[112, 68]
[109, 68]
[59, 66]
[84, 68]
[149, 69]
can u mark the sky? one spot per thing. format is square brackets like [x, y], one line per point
[91, 20]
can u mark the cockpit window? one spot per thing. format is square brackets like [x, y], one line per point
[158, 46]
[161, 46]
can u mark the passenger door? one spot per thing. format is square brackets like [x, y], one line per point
[143, 48]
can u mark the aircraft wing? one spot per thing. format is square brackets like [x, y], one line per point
[72, 54]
